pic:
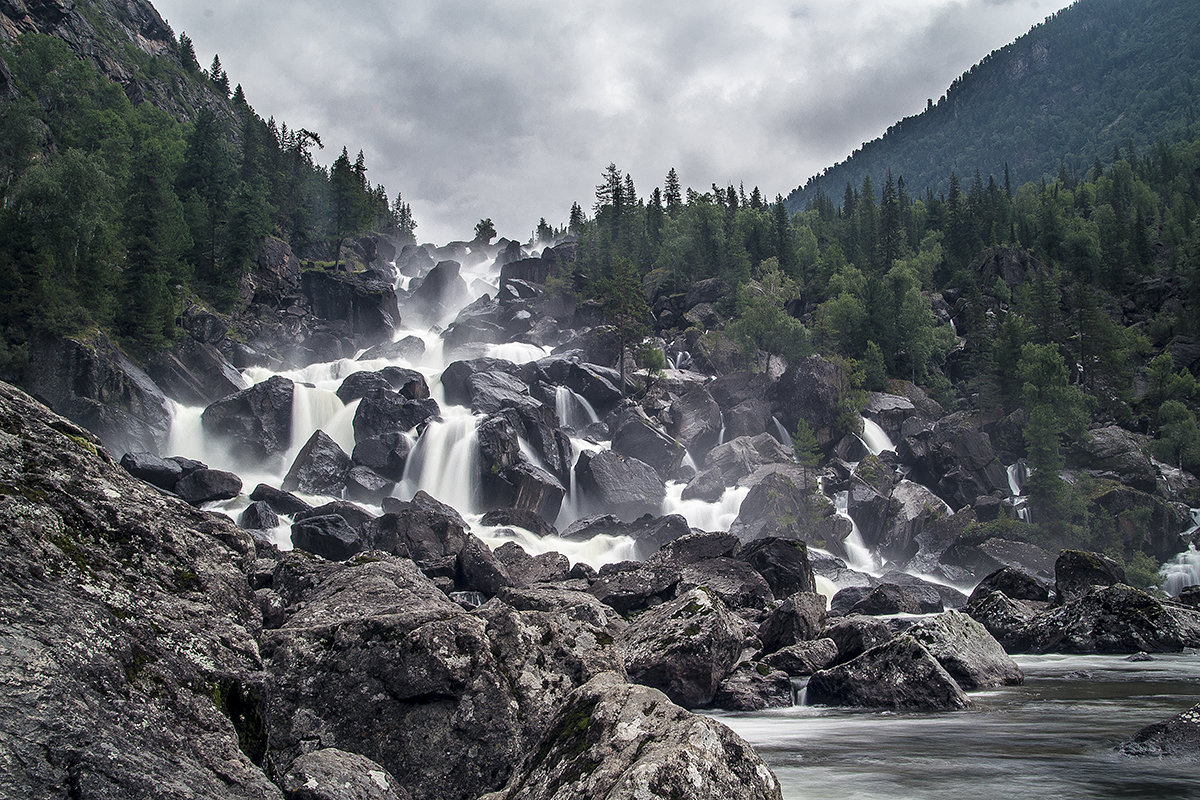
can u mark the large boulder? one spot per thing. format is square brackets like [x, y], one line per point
[208, 485]
[94, 384]
[255, 422]
[798, 618]
[900, 674]
[385, 454]
[320, 467]
[1114, 449]
[620, 741]
[685, 647]
[1012, 582]
[441, 292]
[1077, 571]
[778, 506]
[803, 658]
[621, 484]
[754, 686]
[375, 657]
[1009, 621]
[637, 436]
[195, 373]
[734, 581]
[810, 391]
[129, 628]
[854, 635]
[154, 470]
[1115, 619]
[967, 651]
[368, 306]
[382, 411]
[329, 536]
[629, 586]
[783, 563]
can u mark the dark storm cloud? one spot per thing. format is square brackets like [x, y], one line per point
[511, 110]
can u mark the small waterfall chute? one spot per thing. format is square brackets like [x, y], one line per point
[875, 438]
[573, 409]
[1184, 569]
[444, 462]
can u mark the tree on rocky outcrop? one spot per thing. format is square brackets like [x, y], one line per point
[485, 231]
[218, 77]
[620, 292]
[805, 449]
[762, 322]
[349, 208]
[1178, 440]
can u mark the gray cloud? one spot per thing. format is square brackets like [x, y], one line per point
[511, 110]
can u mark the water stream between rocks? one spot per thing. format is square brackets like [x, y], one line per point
[1053, 737]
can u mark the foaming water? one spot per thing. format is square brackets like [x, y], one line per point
[706, 516]
[595, 552]
[858, 556]
[573, 409]
[445, 461]
[517, 352]
[1184, 569]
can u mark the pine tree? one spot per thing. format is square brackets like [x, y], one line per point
[672, 195]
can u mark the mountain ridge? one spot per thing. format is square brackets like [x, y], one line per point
[1126, 65]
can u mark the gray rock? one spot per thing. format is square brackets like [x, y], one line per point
[624, 485]
[900, 674]
[886, 598]
[1014, 583]
[631, 585]
[734, 581]
[798, 618]
[967, 651]
[623, 742]
[637, 436]
[118, 601]
[256, 422]
[332, 774]
[694, 547]
[1077, 571]
[258, 516]
[1007, 620]
[208, 485]
[479, 570]
[685, 647]
[854, 635]
[1115, 619]
[281, 502]
[803, 658]
[328, 536]
[319, 468]
[783, 563]
[152, 469]
[754, 686]
[1178, 737]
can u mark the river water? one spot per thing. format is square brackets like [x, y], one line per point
[1053, 737]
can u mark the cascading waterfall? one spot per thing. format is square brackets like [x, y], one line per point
[858, 555]
[573, 505]
[316, 409]
[701, 514]
[1015, 481]
[780, 432]
[573, 409]
[875, 438]
[1184, 569]
[445, 461]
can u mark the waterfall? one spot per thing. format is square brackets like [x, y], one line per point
[1184, 569]
[858, 555]
[445, 461]
[574, 506]
[721, 435]
[1016, 478]
[596, 551]
[320, 410]
[875, 438]
[780, 432]
[702, 514]
[573, 409]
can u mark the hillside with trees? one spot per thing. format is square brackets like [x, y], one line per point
[121, 203]
[1097, 75]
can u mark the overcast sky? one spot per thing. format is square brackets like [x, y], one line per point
[511, 109]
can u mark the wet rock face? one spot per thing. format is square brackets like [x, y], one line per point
[900, 674]
[967, 651]
[320, 468]
[625, 485]
[95, 385]
[622, 742]
[1178, 737]
[255, 422]
[118, 603]
[1076, 571]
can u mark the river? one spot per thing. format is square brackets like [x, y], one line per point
[1053, 737]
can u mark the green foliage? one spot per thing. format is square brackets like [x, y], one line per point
[110, 214]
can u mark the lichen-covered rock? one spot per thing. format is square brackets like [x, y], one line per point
[803, 658]
[734, 581]
[1014, 583]
[1178, 737]
[1077, 571]
[798, 618]
[783, 563]
[126, 628]
[332, 774]
[1114, 620]
[754, 686]
[377, 659]
[256, 422]
[1006, 619]
[685, 647]
[900, 674]
[968, 652]
[855, 634]
[625, 742]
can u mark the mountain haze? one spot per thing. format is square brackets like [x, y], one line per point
[1097, 75]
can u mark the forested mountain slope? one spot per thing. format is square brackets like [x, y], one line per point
[1099, 74]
